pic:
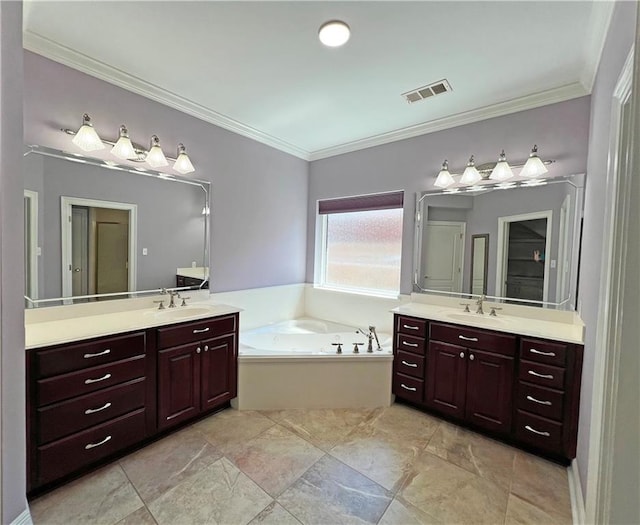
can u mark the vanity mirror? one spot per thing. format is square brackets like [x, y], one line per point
[517, 243]
[95, 228]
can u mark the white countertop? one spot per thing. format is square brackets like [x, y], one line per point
[57, 331]
[566, 331]
[197, 272]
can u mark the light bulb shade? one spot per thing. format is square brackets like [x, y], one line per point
[86, 138]
[470, 175]
[183, 162]
[444, 178]
[534, 167]
[123, 149]
[334, 33]
[502, 170]
[155, 157]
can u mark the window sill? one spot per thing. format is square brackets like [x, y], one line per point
[366, 293]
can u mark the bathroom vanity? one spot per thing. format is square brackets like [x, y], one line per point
[96, 397]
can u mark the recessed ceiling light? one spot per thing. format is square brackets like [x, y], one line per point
[334, 33]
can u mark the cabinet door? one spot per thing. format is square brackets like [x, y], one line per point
[489, 390]
[218, 371]
[178, 384]
[446, 378]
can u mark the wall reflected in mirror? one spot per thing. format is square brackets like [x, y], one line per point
[479, 263]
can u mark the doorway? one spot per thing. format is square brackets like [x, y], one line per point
[31, 244]
[443, 261]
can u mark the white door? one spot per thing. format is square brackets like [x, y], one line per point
[79, 251]
[444, 248]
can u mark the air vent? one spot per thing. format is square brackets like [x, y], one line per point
[437, 88]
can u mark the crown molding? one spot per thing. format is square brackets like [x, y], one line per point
[536, 100]
[69, 57]
[596, 36]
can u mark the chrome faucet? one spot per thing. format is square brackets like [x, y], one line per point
[479, 303]
[370, 336]
[173, 295]
[372, 330]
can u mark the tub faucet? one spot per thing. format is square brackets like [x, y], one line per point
[479, 303]
[369, 337]
[372, 330]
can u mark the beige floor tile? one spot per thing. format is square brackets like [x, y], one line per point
[275, 458]
[332, 493]
[162, 465]
[405, 422]
[453, 495]
[478, 454]
[104, 497]
[399, 513]
[219, 493]
[520, 512]
[324, 427]
[141, 516]
[543, 484]
[274, 514]
[228, 428]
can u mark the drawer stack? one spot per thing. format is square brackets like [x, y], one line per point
[88, 402]
[409, 361]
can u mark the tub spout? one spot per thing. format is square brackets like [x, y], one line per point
[369, 338]
[372, 330]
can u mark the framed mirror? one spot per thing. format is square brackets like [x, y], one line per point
[96, 230]
[534, 231]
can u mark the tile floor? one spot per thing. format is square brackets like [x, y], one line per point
[387, 466]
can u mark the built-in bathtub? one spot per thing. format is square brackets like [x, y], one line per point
[293, 364]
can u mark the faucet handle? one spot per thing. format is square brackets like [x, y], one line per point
[184, 301]
[339, 349]
[161, 302]
[356, 350]
[493, 311]
[466, 307]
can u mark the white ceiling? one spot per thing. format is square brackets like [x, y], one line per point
[258, 68]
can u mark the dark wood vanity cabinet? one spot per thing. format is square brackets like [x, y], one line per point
[523, 389]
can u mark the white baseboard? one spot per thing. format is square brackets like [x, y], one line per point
[24, 518]
[575, 491]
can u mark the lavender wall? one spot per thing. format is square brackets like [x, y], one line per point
[618, 43]
[560, 130]
[12, 391]
[259, 194]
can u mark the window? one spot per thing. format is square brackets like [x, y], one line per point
[360, 243]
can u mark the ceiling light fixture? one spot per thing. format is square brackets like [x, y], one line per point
[123, 148]
[155, 157]
[471, 175]
[444, 178]
[534, 167]
[183, 162]
[86, 137]
[502, 171]
[334, 33]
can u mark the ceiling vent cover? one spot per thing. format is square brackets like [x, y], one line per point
[437, 88]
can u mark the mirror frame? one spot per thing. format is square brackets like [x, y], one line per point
[485, 273]
[204, 185]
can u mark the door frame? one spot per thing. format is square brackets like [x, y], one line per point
[463, 226]
[65, 221]
[32, 275]
[503, 241]
[562, 273]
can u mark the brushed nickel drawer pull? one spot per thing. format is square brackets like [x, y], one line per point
[540, 352]
[103, 378]
[543, 376]
[548, 403]
[93, 445]
[196, 331]
[408, 388]
[412, 365]
[413, 345]
[545, 434]
[410, 327]
[475, 339]
[104, 352]
[94, 410]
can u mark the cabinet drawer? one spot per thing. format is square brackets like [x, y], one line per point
[539, 432]
[409, 364]
[540, 400]
[410, 344]
[408, 388]
[196, 331]
[411, 326]
[69, 454]
[92, 353]
[543, 352]
[62, 419]
[89, 380]
[471, 338]
[545, 375]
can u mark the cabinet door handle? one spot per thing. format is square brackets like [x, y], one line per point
[198, 350]
[206, 348]
[104, 352]
[201, 331]
[93, 445]
[545, 434]
[103, 378]
[472, 357]
[547, 403]
[474, 339]
[543, 376]
[412, 365]
[409, 327]
[462, 355]
[540, 352]
[413, 345]
[94, 410]
[411, 389]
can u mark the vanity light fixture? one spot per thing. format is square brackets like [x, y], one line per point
[471, 175]
[183, 162]
[86, 137]
[334, 33]
[444, 178]
[534, 167]
[123, 148]
[502, 171]
[155, 158]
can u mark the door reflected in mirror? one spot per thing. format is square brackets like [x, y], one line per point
[479, 263]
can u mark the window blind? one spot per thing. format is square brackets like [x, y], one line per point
[377, 201]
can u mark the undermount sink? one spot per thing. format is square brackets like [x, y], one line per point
[183, 312]
[474, 318]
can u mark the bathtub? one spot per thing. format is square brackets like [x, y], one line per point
[293, 364]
